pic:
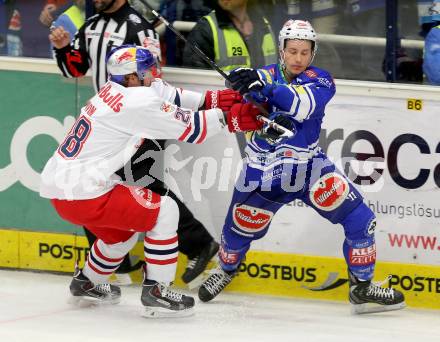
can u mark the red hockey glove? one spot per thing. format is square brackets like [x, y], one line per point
[243, 117]
[223, 99]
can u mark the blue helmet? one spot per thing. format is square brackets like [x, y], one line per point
[129, 59]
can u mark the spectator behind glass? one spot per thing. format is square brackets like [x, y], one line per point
[408, 60]
[184, 10]
[363, 18]
[325, 15]
[431, 29]
[14, 42]
[47, 14]
[229, 36]
[321, 12]
[5, 15]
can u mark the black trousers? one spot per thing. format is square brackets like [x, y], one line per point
[192, 235]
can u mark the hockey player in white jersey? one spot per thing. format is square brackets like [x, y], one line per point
[80, 181]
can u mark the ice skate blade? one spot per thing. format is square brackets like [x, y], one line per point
[156, 312]
[360, 309]
[83, 302]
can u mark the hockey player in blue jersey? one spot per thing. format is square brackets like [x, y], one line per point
[279, 170]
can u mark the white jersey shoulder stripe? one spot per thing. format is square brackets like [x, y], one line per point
[305, 103]
[296, 100]
[312, 100]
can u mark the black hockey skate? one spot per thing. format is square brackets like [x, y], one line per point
[161, 301]
[369, 297]
[197, 265]
[84, 292]
[215, 283]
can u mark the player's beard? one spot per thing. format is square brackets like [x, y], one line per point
[103, 6]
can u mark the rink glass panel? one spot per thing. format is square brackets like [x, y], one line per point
[352, 35]
[349, 60]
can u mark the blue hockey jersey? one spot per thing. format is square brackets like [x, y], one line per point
[304, 100]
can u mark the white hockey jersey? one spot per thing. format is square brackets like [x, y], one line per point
[112, 126]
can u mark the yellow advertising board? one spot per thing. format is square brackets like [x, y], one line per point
[266, 273]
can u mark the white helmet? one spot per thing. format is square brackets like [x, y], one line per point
[128, 59]
[297, 29]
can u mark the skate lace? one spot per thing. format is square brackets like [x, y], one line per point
[105, 288]
[170, 294]
[192, 262]
[376, 289]
[217, 281]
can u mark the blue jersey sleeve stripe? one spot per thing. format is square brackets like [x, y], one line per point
[177, 99]
[196, 132]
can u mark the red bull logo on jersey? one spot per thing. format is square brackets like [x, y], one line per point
[329, 191]
[167, 107]
[251, 219]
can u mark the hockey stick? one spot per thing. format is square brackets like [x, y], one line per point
[264, 113]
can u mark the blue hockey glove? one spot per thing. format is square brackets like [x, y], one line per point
[245, 80]
[273, 136]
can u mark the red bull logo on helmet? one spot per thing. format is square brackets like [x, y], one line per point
[127, 55]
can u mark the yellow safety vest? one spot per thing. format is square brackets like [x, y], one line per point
[230, 49]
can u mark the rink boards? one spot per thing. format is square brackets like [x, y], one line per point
[267, 273]
[394, 125]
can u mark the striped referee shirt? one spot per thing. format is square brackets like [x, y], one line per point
[98, 36]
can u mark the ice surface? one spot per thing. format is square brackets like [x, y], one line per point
[33, 308]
